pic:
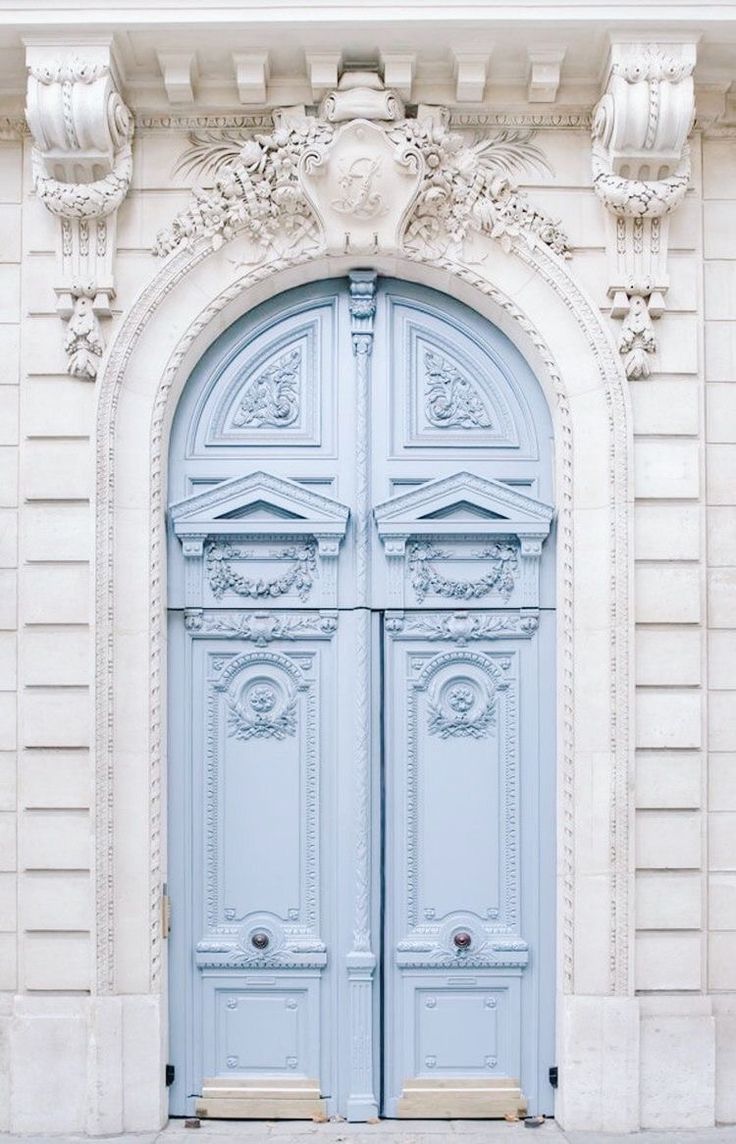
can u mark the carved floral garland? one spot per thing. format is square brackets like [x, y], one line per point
[426, 580]
[223, 577]
[464, 189]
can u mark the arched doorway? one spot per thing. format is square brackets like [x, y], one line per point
[361, 715]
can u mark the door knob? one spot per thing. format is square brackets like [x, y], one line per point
[260, 940]
[462, 940]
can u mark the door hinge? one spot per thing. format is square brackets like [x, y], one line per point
[554, 1076]
[170, 1075]
[165, 912]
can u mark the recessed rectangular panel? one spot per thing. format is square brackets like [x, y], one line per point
[460, 1031]
[260, 1031]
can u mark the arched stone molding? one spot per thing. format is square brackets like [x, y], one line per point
[532, 294]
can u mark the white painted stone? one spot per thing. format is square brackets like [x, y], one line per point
[724, 1011]
[722, 961]
[719, 168]
[56, 470]
[60, 531]
[54, 1051]
[8, 415]
[722, 841]
[720, 351]
[55, 717]
[56, 594]
[144, 1057]
[721, 721]
[600, 1042]
[668, 656]
[8, 661]
[678, 339]
[721, 474]
[8, 861]
[8, 721]
[720, 290]
[668, 901]
[667, 469]
[60, 656]
[720, 412]
[667, 594]
[668, 718]
[57, 407]
[8, 600]
[722, 781]
[55, 779]
[721, 524]
[722, 659]
[55, 840]
[719, 240]
[722, 901]
[677, 1071]
[8, 965]
[666, 961]
[9, 293]
[668, 839]
[664, 407]
[667, 532]
[8, 902]
[668, 779]
[8, 538]
[56, 900]
[722, 598]
[8, 476]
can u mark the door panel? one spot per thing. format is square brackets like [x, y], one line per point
[361, 670]
[456, 949]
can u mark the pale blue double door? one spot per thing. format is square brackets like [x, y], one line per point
[361, 653]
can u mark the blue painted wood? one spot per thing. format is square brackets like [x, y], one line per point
[361, 583]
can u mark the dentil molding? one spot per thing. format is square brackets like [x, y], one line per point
[641, 172]
[82, 165]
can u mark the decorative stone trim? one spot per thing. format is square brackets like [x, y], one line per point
[402, 183]
[640, 129]
[82, 166]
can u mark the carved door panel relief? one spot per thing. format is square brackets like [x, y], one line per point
[361, 639]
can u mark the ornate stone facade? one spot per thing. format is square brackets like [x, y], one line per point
[541, 216]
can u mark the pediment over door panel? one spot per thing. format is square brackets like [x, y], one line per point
[454, 391]
[270, 389]
[260, 538]
[463, 539]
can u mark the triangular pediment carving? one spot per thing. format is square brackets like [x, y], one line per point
[463, 503]
[259, 503]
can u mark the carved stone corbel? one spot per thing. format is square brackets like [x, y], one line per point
[641, 172]
[82, 166]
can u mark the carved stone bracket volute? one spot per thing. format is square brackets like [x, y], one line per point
[82, 166]
[641, 172]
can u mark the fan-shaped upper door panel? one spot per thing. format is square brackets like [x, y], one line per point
[270, 384]
[453, 386]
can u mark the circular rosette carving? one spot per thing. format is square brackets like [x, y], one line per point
[461, 705]
[261, 708]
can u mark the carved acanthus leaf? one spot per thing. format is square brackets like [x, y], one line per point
[452, 398]
[271, 397]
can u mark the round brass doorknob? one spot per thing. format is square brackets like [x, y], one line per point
[260, 940]
[462, 940]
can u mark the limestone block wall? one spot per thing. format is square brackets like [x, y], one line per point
[685, 592]
[719, 202]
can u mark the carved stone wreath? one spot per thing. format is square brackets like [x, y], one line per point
[457, 709]
[427, 580]
[223, 577]
[262, 713]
